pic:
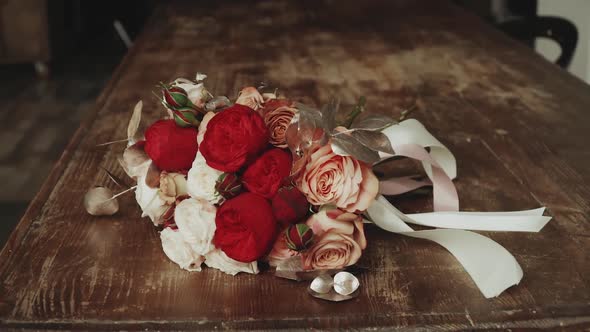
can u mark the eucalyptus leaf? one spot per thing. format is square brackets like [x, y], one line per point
[374, 140]
[291, 268]
[374, 122]
[116, 180]
[329, 112]
[124, 166]
[308, 122]
[152, 178]
[134, 121]
[134, 156]
[345, 145]
[99, 201]
[217, 103]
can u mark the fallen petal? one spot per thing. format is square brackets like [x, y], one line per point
[99, 201]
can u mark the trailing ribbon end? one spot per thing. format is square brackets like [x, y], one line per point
[491, 266]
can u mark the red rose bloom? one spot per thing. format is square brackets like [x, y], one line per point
[246, 228]
[234, 136]
[265, 176]
[289, 206]
[171, 147]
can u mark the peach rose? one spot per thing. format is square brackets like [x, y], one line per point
[339, 240]
[172, 185]
[251, 97]
[278, 121]
[280, 252]
[343, 181]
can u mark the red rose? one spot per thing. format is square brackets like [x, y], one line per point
[171, 147]
[234, 136]
[289, 206]
[246, 228]
[265, 176]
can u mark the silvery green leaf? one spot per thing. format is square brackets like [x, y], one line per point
[291, 268]
[374, 140]
[217, 103]
[134, 156]
[117, 180]
[152, 177]
[308, 120]
[345, 145]
[134, 121]
[200, 77]
[375, 122]
[329, 114]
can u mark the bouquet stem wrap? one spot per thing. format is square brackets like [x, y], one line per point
[491, 266]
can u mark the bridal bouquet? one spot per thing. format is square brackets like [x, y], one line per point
[267, 179]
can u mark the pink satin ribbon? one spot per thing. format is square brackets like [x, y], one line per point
[445, 197]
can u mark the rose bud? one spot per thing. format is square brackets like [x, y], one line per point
[228, 185]
[186, 117]
[298, 237]
[175, 96]
[289, 206]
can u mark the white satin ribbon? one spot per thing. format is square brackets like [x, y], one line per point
[491, 266]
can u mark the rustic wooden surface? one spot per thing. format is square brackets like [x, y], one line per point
[517, 124]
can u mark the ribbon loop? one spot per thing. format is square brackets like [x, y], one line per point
[491, 266]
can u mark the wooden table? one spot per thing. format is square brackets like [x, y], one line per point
[517, 124]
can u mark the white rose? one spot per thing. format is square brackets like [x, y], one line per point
[201, 180]
[218, 259]
[197, 93]
[172, 185]
[179, 251]
[150, 202]
[203, 126]
[195, 219]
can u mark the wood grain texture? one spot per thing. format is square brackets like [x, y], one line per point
[516, 123]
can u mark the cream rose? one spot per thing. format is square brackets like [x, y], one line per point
[172, 185]
[201, 180]
[196, 92]
[203, 126]
[149, 201]
[251, 97]
[218, 259]
[339, 240]
[343, 181]
[179, 251]
[195, 220]
[278, 121]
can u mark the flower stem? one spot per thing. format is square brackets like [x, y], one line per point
[358, 109]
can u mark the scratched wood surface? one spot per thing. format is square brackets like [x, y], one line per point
[517, 124]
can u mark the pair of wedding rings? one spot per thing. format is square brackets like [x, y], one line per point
[343, 283]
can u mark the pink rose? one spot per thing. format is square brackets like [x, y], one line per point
[343, 181]
[280, 251]
[339, 240]
[249, 96]
[278, 121]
